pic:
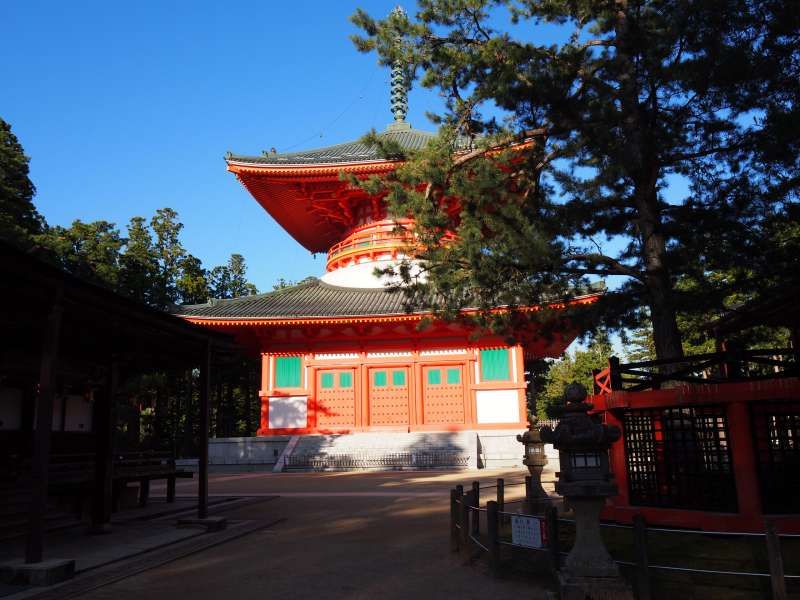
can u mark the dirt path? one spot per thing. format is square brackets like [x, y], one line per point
[367, 535]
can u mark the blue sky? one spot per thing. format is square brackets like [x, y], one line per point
[126, 107]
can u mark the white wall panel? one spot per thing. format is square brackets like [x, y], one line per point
[288, 412]
[497, 406]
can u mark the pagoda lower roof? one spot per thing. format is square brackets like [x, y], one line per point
[349, 152]
[314, 299]
[308, 300]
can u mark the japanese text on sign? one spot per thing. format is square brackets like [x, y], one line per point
[528, 531]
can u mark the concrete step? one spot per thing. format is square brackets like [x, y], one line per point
[384, 451]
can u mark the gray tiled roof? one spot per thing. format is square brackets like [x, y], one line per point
[407, 139]
[309, 299]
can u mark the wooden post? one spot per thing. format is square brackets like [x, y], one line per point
[642, 563]
[202, 484]
[476, 503]
[595, 387]
[104, 426]
[551, 516]
[466, 501]
[454, 520]
[615, 377]
[501, 497]
[775, 563]
[492, 526]
[34, 546]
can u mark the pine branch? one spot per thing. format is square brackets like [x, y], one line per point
[616, 267]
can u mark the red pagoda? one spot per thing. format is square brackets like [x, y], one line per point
[342, 354]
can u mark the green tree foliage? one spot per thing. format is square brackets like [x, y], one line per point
[169, 253]
[230, 280]
[192, 284]
[589, 133]
[89, 250]
[138, 265]
[573, 367]
[19, 219]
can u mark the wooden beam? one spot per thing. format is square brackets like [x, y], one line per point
[34, 547]
[104, 426]
[205, 385]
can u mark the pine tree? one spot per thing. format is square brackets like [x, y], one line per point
[193, 281]
[589, 133]
[20, 222]
[90, 251]
[169, 253]
[138, 266]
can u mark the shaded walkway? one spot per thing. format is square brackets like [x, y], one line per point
[389, 540]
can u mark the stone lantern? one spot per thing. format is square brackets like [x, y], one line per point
[534, 457]
[585, 481]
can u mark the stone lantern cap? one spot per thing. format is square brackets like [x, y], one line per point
[576, 429]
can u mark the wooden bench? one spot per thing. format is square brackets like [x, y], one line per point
[145, 467]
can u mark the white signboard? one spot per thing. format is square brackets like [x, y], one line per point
[528, 531]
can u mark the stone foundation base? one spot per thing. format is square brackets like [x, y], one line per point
[47, 572]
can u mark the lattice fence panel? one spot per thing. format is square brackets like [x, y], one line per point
[679, 457]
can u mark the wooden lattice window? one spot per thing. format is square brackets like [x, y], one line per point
[326, 381]
[494, 365]
[345, 380]
[453, 376]
[776, 433]
[287, 371]
[680, 458]
[434, 377]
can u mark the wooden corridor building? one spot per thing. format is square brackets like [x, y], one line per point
[66, 339]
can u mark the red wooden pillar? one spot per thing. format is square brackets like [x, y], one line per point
[745, 469]
[418, 416]
[311, 388]
[263, 394]
[616, 456]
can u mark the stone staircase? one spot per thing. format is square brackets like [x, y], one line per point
[384, 451]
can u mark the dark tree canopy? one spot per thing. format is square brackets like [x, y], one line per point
[19, 219]
[560, 155]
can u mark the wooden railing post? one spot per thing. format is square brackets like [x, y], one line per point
[642, 563]
[492, 526]
[501, 496]
[614, 376]
[595, 388]
[476, 500]
[454, 520]
[775, 563]
[551, 516]
[466, 500]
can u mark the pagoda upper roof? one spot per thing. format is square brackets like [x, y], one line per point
[357, 151]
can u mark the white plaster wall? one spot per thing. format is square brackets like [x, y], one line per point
[288, 411]
[497, 406]
[78, 414]
[361, 275]
[10, 409]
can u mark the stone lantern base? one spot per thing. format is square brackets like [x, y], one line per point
[593, 588]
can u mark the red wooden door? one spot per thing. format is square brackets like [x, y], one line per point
[388, 396]
[443, 395]
[336, 398]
